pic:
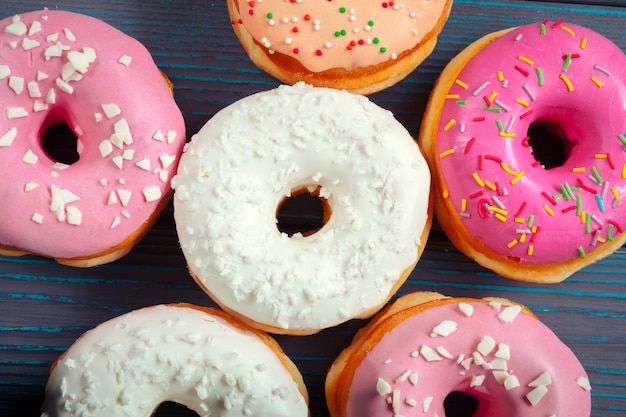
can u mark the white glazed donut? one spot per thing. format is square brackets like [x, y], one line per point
[200, 358]
[250, 156]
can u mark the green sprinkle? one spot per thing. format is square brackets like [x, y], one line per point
[500, 126]
[568, 61]
[596, 174]
[493, 109]
[461, 102]
[609, 233]
[543, 29]
[579, 205]
[539, 76]
[622, 138]
[342, 10]
[270, 15]
[337, 34]
[588, 223]
[557, 196]
[370, 23]
[581, 252]
[383, 49]
[566, 193]
[376, 40]
[531, 220]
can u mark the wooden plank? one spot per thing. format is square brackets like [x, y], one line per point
[44, 307]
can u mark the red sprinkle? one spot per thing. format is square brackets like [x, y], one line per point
[534, 236]
[251, 12]
[319, 52]
[549, 198]
[487, 101]
[557, 24]
[584, 187]
[477, 194]
[385, 5]
[481, 209]
[525, 142]
[617, 226]
[570, 208]
[522, 70]
[610, 161]
[535, 164]
[295, 29]
[526, 114]
[296, 51]
[521, 209]
[307, 17]
[478, 119]
[469, 145]
[493, 158]
[480, 162]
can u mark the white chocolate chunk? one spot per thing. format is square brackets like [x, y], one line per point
[41, 76]
[106, 147]
[125, 60]
[158, 136]
[30, 157]
[74, 216]
[111, 110]
[167, 160]
[64, 86]
[35, 27]
[29, 44]
[429, 353]
[53, 37]
[33, 89]
[124, 196]
[151, 193]
[486, 345]
[543, 379]
[426, 404]
[37, 218]
[383, 387]
[466, 308]
[444, 352]
[16, 112]
[445, 328]
[503, 352]
[112, 198]
[403, 377]
[16, 84]
[536, 394]
[583, 383]
[116, 222]
[30, 186]
[51, 97]
[69, 35]
[7, 138]
[78, 61]
[98, 117]
[39, 106]
[509, 313]
[171, 136]
[16, 28]
[477, 380]
[144, 164]
[119, 161]
[511, 382]
[414, 378]
[5, 71]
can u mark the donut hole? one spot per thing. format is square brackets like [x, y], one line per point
[549, 142]
[60, 143]
[304, 211]
[460, 404]
[171, 408]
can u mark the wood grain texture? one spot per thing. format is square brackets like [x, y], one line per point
[44, 306]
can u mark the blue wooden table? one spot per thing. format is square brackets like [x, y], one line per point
[44, 306]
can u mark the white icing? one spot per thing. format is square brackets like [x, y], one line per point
[250, 155]
[127, 366]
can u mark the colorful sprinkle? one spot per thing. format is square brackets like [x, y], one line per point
[539, 72]
[449, 124]
[568, 30]
[446, 153]
[567, 82]
[596, 81]
[461, 83]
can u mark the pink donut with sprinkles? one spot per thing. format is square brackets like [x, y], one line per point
[117, 118]
[354, 45]
[526, 133]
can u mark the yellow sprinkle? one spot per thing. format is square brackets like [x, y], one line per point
[522, 238]
[520, 220]
[445, 193]
[490, 185]
[478, 180]
[463, 205]
[533, 229]
[583, 216]
[512, 243]
[567, 82]
[601, 240]
[526, 60]
[453, 96]
[531, 248]
[493, 95]
[624, 171]
[568, 30]
[517, 177]
[446, 153]
[498, 210]
[548, 210]
[450, 124]
[615, 193]
[600, 156]
[507, 134]
[578, 169]
[596, 81]
[461, 83]
[583, 43]
[500, 76]
[507, 169]
[522, 102]
[500, 217]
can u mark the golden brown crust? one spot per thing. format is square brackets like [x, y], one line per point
[366, 80]
[341, 372]
[448, 217]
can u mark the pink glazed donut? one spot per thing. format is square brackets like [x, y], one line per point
[525, 132]
[426, 351]
[59, 68]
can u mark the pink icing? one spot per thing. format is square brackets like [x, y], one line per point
[348, 34]
[505, 197]
[396, 373]
[60, 67]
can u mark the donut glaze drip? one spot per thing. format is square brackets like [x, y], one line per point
[348, 35]
[511, 363]
[129, 365]
[565, 79]
[254, 153]
[64, 68]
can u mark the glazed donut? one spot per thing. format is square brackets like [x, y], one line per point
[197, 357]
[250, 156]
[525, 135]
[424, 347]
[64, 69]
[362, 48]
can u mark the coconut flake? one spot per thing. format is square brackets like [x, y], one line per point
[486, 345]
[536, 394]
[69, 35]
[37, 218]
[543, 379]
[29, 44]
[445, 328]
[16, 28]
[16, 84]
[111, 110]
[30, 157]
[429, 353]
[124, 196]
[7, 138]
[508, 314]
[151, 193]
[383, 387]
[125, 60]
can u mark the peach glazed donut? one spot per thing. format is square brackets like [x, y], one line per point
[525, 133]
[426, 351]
[87, 205]
[362, 47]
[359, 162]
[197, 357]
